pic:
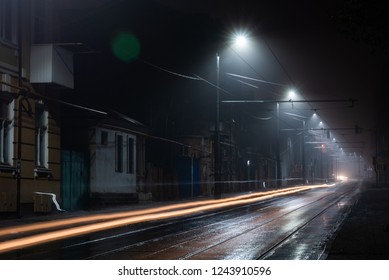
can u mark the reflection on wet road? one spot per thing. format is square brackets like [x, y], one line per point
[242, 227]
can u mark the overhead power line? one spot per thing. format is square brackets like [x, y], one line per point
[171, 72]
[257, 80]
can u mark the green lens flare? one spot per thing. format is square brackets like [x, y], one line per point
[125, 46]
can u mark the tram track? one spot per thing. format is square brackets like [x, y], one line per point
[309, 221]
[253, 228]
[196, 238]
[160, 239]
[273, 220]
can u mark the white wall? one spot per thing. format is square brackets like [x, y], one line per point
[104, 176]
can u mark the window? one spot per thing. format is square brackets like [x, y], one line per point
[130, 155]
[6, 128]
[8, 21]
[119, 153]
[41, 135]
[6, 122]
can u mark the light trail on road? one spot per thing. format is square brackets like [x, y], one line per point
[115, 220]
[123, 214]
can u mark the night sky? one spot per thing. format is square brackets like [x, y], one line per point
[318, 48]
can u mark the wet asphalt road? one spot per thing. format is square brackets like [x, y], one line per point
[296, 226]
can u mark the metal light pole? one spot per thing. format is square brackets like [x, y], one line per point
[240, 40]
[278, 155]
[217, 186]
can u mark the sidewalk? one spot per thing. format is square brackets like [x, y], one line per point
[364, 234]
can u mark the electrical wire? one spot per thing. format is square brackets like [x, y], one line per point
[171, 72]
[257, 80]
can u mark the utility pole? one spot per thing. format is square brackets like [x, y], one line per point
[217, 186]
[278, 156]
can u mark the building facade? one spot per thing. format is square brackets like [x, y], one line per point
[30, 134]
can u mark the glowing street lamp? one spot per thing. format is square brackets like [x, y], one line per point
[291, 94]
[239, 40]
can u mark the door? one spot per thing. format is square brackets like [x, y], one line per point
[188, 176]
[75, 178]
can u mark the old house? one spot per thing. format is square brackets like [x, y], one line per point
[30, 132]
[103, 159]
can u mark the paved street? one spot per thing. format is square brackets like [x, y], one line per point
[259, 225]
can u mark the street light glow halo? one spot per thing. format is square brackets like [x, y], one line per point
[291, 94]
[240, 39]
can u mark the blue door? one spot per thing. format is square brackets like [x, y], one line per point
[75, 178]
[188, 176]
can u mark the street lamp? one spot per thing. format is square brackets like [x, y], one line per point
[291, 94]
[301, 119]
[239, 40]
[217, 190]
[278, 150]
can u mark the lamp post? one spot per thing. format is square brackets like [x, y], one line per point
[217, 186]
[301, 119]
[278, 152]
[239, 40]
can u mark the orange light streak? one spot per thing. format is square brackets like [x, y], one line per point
[131, 217]
[109, 216]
